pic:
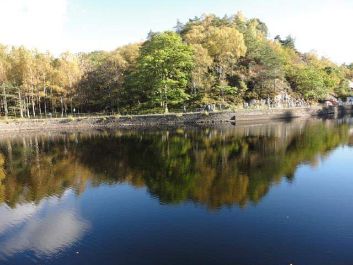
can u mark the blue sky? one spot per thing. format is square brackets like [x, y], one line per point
[85, 25]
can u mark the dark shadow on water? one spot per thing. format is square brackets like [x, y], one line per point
[288, 117]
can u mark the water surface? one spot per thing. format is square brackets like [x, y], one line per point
[278, 193]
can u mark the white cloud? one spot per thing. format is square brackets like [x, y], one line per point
[46, 235]
[46, 229]
[12, 217]
[33, 23]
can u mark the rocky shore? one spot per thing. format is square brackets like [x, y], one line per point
[160, 120]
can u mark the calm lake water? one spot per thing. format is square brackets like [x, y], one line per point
[279, 193]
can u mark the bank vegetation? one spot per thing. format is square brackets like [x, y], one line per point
[223, 61]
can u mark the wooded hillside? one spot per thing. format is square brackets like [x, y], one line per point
[208, 60]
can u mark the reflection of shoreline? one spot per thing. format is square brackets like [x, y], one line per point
[90, 132]
[297, 124]
[44, 229]
[158, 120]
[214, 167]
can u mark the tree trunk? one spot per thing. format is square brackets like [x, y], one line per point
[33, 104]
[45, 101]
[24, 103]
[45, 107]
[27, 107]
[62, 106]
[5, 100]
[39, 107]
[165, 100]
[20, 102]
[52, 101]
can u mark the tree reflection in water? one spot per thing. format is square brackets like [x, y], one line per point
[212, 167]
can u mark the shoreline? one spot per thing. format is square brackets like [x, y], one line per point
[173, 119]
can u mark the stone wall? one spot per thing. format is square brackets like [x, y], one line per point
[215, 117]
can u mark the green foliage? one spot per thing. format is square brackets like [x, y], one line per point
[288, 42]
[208, 60]
[164, 68]
[310, 82]
[343, 90]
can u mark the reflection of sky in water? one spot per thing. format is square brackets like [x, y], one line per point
[46, 229]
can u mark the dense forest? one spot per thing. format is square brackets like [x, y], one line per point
[208, 60]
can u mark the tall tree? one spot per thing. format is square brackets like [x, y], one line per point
[3, 77]
[164, 69]
[200, 75]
